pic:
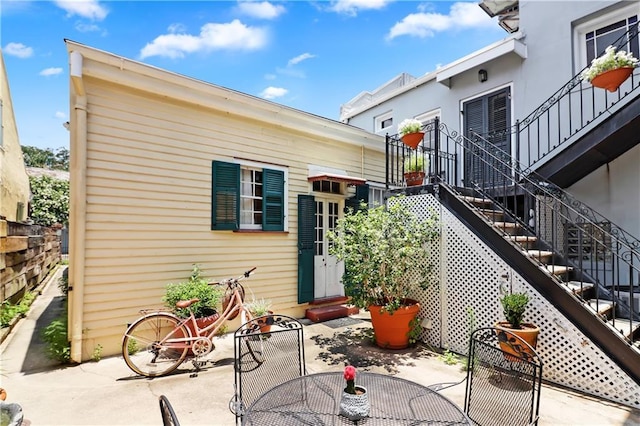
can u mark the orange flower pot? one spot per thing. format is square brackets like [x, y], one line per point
[392, 330]
[612, 79]
[412, 139]
[529, 333]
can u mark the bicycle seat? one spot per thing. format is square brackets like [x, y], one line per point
[182, 304]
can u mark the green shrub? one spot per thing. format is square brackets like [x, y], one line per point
[9, 311]
[55, 335]
[196, 287]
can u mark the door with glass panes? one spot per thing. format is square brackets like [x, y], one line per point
[327, 270]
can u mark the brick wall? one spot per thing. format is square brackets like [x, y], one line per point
[27, 255]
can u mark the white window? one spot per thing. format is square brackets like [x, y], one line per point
[428, 116]
[383, 122]
[593, 37]
[376, 195]
[250, 198]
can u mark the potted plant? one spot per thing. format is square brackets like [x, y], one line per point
[414, 168]
[196, 287]
[514, 306]
[385, 251]
[354, 403]
[611, 69]
[261, 308]
[410, 131]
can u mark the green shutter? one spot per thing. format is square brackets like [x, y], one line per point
[306, 242]
[361, 196]
[273, 200]
[225, 196]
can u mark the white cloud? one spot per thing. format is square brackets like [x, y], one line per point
[233, 35]
[273, 92]
[270, 76]
[61, 115]
[461, 15]
[352, 7]
[90, 9]
[262, 10]
[86, 28]
[177, 28]
[50, 71]
[18, 49]
[300, 58]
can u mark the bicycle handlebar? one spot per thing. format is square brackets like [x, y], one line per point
[235, 280]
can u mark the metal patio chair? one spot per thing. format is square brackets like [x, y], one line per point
[264, 358]
[169, 417]
[503, 381]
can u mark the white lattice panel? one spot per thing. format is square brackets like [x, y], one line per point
[465, 294]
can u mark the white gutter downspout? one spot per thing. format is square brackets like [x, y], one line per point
[78, 209]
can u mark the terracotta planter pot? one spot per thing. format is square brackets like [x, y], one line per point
[265, 322]
[414, 178]
[392, 330]
[529, 333]
[612, 79]
[412, 140]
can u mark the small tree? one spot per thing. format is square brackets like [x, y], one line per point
[50, 202]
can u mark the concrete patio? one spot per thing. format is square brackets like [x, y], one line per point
[108, 393]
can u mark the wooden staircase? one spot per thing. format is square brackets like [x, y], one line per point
[566, 275]
[330, 308]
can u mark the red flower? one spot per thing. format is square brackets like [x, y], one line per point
[350, 372]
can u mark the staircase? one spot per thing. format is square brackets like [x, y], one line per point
[601, 304]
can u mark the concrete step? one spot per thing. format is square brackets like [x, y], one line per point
[542, 256]
[493, 215]
[525, 241]
[577, 287]
[510, 228]
[325, 313]
[558, 269]
[600, 306]
[480, 202]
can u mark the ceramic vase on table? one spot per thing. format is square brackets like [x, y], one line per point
[355, 407]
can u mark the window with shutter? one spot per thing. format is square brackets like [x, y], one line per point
[247, 196]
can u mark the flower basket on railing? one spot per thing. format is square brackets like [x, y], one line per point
[411, 132]
[610, 70]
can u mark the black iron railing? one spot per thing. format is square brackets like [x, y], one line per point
[571, 112]
[600, 253]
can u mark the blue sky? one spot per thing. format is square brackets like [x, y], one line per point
[309, 55]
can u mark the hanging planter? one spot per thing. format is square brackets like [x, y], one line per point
[610, 70]
[411, 132]
[412, 140]
[612, 79]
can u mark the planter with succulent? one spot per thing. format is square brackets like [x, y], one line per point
[514, 306]
[196, 287]
[411, 132]
[611, 69]
[261, 308]
[354, 403]
[386, 252]
[414, 169]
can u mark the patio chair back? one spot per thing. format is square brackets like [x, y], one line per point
[504, 377]
[169, 417]
[265, 358]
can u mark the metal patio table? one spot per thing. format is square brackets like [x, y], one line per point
[314, 399]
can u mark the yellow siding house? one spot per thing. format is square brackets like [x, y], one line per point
[155, 158]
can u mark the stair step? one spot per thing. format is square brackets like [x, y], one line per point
[325, 313]
[541, 255]
[525, 241]
[477, 201]
[493, 215]
[510, 228]
[626, 327]
[601, 306]
[558, 269]
[577, 287]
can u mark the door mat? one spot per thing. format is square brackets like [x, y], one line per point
[341, 322]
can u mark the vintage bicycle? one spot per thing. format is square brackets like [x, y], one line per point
[159, 341]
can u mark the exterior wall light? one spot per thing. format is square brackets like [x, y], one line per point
[482, 76]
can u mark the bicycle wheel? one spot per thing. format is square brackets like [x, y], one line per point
[142, 350]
